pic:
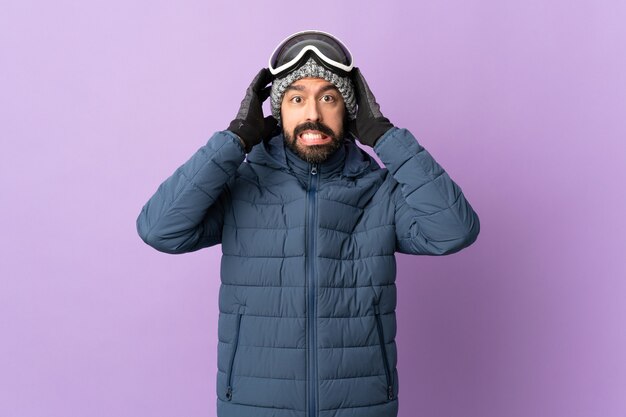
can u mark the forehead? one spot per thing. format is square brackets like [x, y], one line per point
[310, 83]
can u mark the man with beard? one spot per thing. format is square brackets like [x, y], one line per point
[320, 104]
[309, 224]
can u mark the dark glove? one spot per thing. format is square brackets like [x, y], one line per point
[370, 124]
[249, 123]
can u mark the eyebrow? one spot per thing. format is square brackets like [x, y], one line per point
[301, 88]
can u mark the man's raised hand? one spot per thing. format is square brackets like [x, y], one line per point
[370, 124]
[249, 124]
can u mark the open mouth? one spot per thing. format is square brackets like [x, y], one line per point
[313, 137]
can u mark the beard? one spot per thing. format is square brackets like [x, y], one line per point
[314, 154]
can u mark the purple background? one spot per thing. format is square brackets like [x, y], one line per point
[523, 103]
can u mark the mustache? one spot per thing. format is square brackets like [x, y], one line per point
[321, 127]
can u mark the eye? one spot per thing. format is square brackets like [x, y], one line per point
[296, 99]
[328, 98]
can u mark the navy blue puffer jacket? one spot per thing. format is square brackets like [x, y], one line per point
[307, 298]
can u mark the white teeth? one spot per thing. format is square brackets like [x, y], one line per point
[311, 136]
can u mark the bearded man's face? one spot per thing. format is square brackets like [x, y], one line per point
[312, 114]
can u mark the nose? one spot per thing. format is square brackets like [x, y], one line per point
[312, 112]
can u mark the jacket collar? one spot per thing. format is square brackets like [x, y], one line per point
[349, 161]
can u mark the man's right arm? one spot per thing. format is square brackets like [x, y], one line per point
[186, 212]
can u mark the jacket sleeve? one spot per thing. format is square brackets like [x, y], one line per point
[432, 216]
[187, 210]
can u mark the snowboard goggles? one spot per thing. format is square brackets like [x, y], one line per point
[329, 52]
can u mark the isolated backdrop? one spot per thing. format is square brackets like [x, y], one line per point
[522, 102]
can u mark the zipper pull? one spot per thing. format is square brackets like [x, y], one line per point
[229, 393]
[390, 392]
[314, 170]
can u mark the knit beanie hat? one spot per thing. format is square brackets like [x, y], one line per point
[313, 69]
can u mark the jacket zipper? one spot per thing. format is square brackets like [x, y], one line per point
[312, 308]
[229, 389]
[381, 339]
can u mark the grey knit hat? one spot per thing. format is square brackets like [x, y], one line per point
[313, 69]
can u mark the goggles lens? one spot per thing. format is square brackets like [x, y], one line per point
[328, 48]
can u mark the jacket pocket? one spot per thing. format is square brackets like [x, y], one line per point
[383, 350]
[229, 380]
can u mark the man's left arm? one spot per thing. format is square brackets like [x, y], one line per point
[432, 216]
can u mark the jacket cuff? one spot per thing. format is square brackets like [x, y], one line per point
[395, 147]
[224, 137]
